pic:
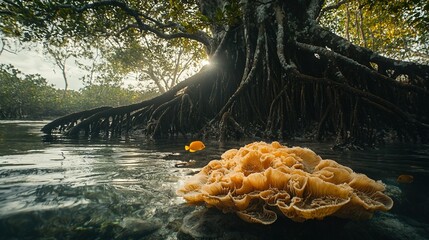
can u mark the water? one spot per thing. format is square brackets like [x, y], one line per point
[126, 189]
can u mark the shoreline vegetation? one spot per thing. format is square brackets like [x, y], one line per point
[277, 70]
[30, 97]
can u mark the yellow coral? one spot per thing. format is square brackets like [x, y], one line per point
[260, 180]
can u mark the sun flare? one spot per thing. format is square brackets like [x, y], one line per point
[205, 62]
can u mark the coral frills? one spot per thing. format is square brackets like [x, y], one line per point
[260, 180]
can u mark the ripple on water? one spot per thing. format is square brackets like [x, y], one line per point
[75, 189]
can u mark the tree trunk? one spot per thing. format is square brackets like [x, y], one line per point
[275, 73]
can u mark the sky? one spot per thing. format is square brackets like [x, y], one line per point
[32, 61]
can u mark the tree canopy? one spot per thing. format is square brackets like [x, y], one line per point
[105, 29]
[395, 28]
[279, 68]
[29, 96]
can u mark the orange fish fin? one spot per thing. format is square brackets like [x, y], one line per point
[186, 147]
[192, 150]
[405, 178]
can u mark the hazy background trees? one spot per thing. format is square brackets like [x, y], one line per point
[109, 49]
[153, 65]
[30, 96]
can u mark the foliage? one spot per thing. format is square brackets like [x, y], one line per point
[29, 96]
[118, 40]
[277, 72]
[156, 62]
[109, 95]
[60, 55]
[395, 28]
[23, 94]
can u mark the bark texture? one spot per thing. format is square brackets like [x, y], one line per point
[275, 73]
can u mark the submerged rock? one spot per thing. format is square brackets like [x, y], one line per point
[135, 227]
[206, 223]
[398, 228]
[203, 223]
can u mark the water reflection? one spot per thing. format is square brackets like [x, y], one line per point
[26, 139]
[75, 189]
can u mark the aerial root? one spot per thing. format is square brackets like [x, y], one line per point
[67, 122]
[186, 99]
[370, 98]
[350, 63]
[228, 121]
[247, 76]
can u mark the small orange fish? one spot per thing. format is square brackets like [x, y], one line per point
[195, 146]
[405, 179]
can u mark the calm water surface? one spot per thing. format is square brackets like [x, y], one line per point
[125, 189]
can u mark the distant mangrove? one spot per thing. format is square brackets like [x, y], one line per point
[29, 96]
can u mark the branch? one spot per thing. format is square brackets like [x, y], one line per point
[331, 7]
[74, 117]
[223, 43]
[352, 63]
[13, 4]
[314, 8]
[200, 36]
[3, 45]
[176, 68]
[154, 78]
[416, 53]
[6, 12]
[370, 98]
[323, 37]
[280, 16]
[246, 76]
[167, 96]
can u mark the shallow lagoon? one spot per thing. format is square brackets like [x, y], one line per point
[125, 189]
